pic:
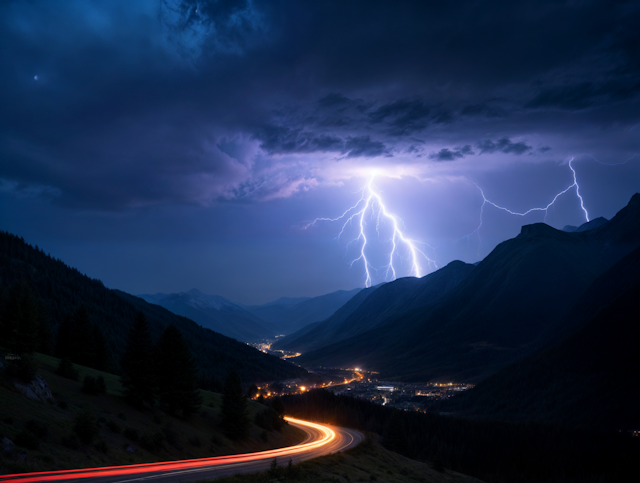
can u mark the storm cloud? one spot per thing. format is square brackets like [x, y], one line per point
[126, 107]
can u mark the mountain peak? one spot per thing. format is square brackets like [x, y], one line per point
[537, 229]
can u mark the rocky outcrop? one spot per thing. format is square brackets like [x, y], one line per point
[37, 389]
[7, 445]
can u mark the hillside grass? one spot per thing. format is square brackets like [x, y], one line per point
[367, 462]
[160, 437]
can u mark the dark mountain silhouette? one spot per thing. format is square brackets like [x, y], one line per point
[286, 317]
[215, 313]
[589, 380]
[282, 301]
[62, 290]
[509, 306]
[337, 318]
[376, 305]
[589, 225]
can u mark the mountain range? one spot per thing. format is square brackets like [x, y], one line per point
[61, 290]
[475, 320]
[589, 379]
[251, 323]
[214, 312]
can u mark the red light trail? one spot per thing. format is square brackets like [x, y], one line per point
[321, 440]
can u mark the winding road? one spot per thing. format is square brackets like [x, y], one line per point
[321, 440]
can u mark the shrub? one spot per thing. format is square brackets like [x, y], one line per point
[71, 441]
[27, 439]
[67, 369]
[102, 446]
[38, 428]
[216, 440]
[172, 436]
[113, 427]
[132, 434]
[101, 385]
[268, 419]
[90, 385]
[86, 427]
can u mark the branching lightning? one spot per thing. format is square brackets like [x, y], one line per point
[575, 185]
[545, 208]
[371, 207]
[371, 202]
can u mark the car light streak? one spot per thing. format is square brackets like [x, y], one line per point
[327, 435]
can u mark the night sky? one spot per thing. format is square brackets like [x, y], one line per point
[161, 146]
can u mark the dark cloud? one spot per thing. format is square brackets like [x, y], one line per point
[504, 145]
[134, 99]
[363, 146]
[403, 116]
[281, 140]
[333, 100]
[447, 154]
[585, 94]
[207, 109]
[481, 109]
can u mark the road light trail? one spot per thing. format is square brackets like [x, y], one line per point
[321, 439]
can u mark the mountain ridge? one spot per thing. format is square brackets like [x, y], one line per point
[62, 290]
[502, 311]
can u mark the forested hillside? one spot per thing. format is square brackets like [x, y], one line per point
[62, 290]
[589, 380]
[492, 451]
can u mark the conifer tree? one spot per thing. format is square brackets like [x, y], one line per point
[137, 364]
[235, 416]
[65, 339]
[24, 328]
[85, 349]
[101, 355]
[82, 342]
[394, 435]
[177, 374]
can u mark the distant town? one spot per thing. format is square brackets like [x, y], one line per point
[362, 384]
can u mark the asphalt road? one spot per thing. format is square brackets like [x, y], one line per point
[321, 440]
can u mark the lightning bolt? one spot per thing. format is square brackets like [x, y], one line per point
[486, 201]
[575, 185]
[371, 203]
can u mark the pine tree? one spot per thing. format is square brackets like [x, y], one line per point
[235, 416]
[82, 342]
[85, 349]
[101, 355]
[177, 374]
[394, 435]
[137, 364]
[22, 328]
[65, 340]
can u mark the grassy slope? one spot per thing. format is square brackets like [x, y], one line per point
[367, 462]
[199, 437]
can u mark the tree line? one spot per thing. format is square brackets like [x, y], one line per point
[61, 290]
[492, 451]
